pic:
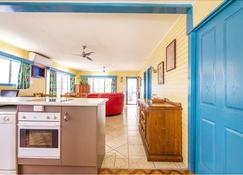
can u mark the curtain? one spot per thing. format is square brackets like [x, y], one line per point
[114, 84]
[72, 83]
[24, 76]
[53, 82]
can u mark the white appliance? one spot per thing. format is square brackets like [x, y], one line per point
[39, 135]
[8, 140]
[40, 59]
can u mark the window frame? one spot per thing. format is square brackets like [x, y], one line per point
[62, 82]
[100, 77]
[11, 59]
[60, 72]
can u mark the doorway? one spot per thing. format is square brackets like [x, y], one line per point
[131, 91]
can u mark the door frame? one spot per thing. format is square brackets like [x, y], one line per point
[127, 89]
[192, 83]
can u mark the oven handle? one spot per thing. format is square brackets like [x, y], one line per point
[25, 124]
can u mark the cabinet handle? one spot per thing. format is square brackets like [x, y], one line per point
[66, 117]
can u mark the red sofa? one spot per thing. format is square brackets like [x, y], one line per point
[115, 104]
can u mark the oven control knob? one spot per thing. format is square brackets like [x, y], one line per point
[24, 117]
[55, 117]
[48, 117]
[6, 119]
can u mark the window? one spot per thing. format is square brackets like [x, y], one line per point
[63, 83]
[100, 85]
[9, 70]
[62, 80]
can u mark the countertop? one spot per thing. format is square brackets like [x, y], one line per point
[50, 101]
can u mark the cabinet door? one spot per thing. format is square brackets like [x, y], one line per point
[78, 146]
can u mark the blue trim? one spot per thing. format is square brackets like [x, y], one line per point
[13, 57]
[216, 11]
[58, 70]
[74, 7]
[149, 83]
[189, 21]
[191, 100]
[1, 84]
[145, 85]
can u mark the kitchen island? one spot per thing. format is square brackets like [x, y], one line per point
[59, 135]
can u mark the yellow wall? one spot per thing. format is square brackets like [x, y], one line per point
[37, 85]
[176, 81]
[121, 85]
[202, 8]
[5, 47]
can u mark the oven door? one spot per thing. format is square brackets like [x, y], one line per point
[39, 140]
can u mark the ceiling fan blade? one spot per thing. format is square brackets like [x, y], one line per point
[90, 59]
[88, 53]
[78, 55]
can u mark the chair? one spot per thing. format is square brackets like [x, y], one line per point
[114, 105]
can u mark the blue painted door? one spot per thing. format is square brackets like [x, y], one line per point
[219, 100]
[149, 83]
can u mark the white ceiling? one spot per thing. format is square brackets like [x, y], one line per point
[120, 41]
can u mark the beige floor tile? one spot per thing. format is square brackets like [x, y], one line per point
[107, 148]
[132, 128]
[123, 150]
[124, 147]
[133, 133]
[121, 163]
[140, 163]
[165, 165]
[134, 140]
[109, 161]
[136, 150]
[115, 143]
[117, 154]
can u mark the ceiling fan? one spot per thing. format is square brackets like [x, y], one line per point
[85, 54]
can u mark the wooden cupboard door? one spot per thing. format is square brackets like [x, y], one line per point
[78, 138]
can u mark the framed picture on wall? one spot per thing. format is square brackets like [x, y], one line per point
[171, 56]
[161, 79]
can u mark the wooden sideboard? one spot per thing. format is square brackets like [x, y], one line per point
[82, 90]
[160, 126]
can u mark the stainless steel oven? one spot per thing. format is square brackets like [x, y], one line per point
[39, 135]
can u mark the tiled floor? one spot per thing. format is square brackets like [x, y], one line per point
[124, 148]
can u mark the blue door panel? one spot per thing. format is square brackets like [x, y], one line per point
[219, 94]
[234, 63]
[208, 57]
[207, 146]
[233, 149]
